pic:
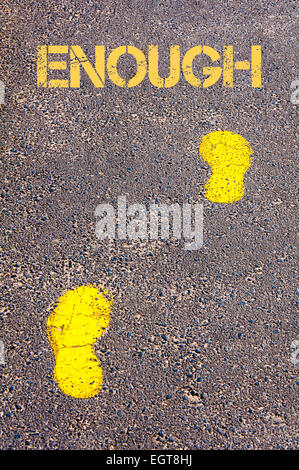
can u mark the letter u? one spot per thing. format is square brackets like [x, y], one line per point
[153, 67]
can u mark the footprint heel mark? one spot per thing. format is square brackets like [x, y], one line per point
[76, 323]
[229, 156]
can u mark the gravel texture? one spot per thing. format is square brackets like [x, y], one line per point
[197, 354]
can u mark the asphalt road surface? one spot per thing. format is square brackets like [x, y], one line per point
[198, 351]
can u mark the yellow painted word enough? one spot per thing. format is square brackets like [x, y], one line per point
[74, 59]
[73, 327]
[229, 156]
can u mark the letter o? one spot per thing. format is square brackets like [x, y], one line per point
[112, 66]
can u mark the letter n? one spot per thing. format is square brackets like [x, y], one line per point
[97, 74]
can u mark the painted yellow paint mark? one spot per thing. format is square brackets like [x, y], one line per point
[73, 327]
[229, 156]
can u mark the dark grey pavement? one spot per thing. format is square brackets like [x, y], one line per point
[198, 351]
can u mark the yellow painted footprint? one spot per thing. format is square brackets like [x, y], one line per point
[229, 156]
[73, 327]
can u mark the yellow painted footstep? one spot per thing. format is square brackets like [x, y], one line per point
[229, 156]
[73, 327]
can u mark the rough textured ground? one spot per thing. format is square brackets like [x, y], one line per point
[197, 353]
